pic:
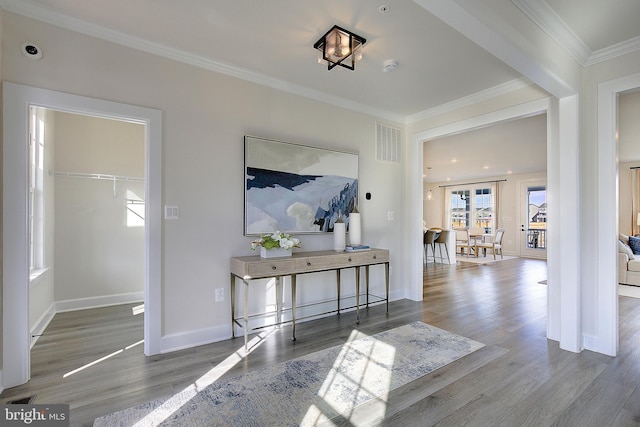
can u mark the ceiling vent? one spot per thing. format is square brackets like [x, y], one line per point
[388, 143]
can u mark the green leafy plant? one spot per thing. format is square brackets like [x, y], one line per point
[276, 240]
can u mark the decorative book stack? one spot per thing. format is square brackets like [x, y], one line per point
[356, 248]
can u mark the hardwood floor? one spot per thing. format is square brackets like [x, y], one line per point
[519, 378]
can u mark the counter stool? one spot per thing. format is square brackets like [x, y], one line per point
[429, 240]
[443, 239]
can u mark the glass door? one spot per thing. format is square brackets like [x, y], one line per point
[533, 225]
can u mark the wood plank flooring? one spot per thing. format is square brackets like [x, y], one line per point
[519, 379]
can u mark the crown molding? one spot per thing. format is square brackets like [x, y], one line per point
[550, 22]
[35, 11]
[466, 101]
[622, 48]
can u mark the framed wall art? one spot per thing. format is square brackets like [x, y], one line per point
[295, 188]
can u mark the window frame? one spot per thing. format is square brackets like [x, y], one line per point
[36, 208]
[471, 212]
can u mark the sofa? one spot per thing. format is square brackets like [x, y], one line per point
[628, 262]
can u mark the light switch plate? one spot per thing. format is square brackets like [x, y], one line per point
[170, 212]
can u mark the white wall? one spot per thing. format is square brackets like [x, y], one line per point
[629, 153]
[99, 251]
[591, 274]
[625, 210]
[205, 118]
[629, 126]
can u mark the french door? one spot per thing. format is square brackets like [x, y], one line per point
[533, 219]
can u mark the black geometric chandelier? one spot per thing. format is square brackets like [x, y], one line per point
[340, 47]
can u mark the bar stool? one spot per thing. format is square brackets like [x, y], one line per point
[429, 241]
[443, 239]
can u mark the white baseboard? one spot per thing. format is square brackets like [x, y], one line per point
[95, 302]
[590, 342]
[42, 323]
[629, 291]
[181, 341]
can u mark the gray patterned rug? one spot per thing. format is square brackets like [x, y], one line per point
[311, 389]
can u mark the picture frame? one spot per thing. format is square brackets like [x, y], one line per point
[296, 189]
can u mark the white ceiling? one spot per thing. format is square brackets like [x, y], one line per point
[271, 43]
[516, 146]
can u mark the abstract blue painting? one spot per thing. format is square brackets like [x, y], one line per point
[295, 188]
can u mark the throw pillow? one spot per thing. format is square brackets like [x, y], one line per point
[634, 242]
[624, 238]
[625, 249]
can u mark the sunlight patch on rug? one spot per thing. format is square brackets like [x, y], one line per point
[315, 388]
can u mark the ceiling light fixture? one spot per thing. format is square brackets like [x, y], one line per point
[340, 47]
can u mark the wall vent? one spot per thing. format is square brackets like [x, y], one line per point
[388, 143]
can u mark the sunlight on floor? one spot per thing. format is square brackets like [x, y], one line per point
[138, 309]
[102, 359]
[175, 402]
[357, 374]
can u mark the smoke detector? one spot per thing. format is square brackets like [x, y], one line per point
[389, 65]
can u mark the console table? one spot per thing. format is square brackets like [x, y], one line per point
[248, 268]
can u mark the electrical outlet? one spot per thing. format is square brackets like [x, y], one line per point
[391, 215]
[219, 294]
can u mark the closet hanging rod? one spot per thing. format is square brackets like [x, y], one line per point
[97, 176]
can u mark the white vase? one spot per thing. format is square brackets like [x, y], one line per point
[274, 253]
[355, 230]
[339, 234]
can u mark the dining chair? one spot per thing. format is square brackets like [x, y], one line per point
[443, 239]
[462, 240]
[495, 245]
[429, 241]
[477, 233]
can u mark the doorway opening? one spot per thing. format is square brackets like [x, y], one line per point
[16, 273]
[86, 213]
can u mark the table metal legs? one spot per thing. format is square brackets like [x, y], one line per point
[232, 291]
[366, 273]
[338, 282]
[280, 297]
[386, 280]
[246, 313]
[358, 295]
[293, 306]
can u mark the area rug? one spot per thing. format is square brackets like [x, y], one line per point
[311, 389]
[482, 259]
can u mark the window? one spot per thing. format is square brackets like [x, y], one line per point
[484, 210]
[460, 208]
[465, 211]
[36, 188]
